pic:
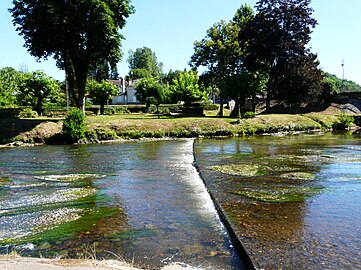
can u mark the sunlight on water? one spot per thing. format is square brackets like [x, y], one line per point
[301, 210]
[143, 201]
[18, 226]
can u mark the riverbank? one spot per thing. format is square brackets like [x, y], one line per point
[15, 262]
[19, 132]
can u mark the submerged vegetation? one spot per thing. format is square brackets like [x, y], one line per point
[69, 210]
[280, 194]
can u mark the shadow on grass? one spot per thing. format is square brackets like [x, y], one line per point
[12, 127]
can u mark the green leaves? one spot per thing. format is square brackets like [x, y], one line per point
[77, 33]
[10, 80]
[143, 64]
[74, 126]
[101, 91]
[36, 89]
[185, 88]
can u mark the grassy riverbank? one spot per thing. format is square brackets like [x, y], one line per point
[138, 126]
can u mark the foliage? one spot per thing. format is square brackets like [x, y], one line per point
[10, 80]
[103, 71]
[74, 126]
[143, 64]
[150, 91]
[275, 45]
[248, 115]
[101, 91]
[222, 55]
[28, 113]
[344, 121]
[332, 85]
[185, 88]
[78, 33]
[36, 89]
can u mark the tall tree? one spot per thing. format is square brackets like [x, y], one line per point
[221, 53]
[37, 88]
[77, 33]
[100, 71]
[275, 42]
[143, 63]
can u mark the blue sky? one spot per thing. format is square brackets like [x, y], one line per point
[169, 28]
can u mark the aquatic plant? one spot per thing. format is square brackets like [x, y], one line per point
[242, 169]
[279, 194]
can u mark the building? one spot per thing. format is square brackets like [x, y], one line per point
[127, 92]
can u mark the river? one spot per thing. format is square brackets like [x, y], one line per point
[294, 201]
[141, 202]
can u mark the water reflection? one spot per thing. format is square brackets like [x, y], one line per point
[286, 218]
[140, 201]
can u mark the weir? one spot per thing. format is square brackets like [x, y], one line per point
[144, 202]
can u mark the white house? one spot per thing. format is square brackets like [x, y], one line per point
[127, 92]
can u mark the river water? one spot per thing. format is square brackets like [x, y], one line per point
[295, 201]
[142, 202]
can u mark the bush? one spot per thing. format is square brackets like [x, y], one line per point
[74, 126]
[211, 107]
[344, 122]
[28, 113]
[247, 115]
[115, 110]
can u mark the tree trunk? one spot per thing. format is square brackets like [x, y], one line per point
[81, 76]
[158, 111]
[38, 107]
[268, 102]
[102, 108]
[254, 97]
[221, 108]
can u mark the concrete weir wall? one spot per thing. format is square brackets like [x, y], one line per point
[249, 265]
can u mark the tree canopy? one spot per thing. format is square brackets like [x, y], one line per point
[101, 91]
[77, 33]
[275, 43]
[186, 88]
[36, 88]
[10, 80]
[143, 63]
[222, 55]
[150, 91]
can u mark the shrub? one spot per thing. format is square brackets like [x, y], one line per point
[248, 115]
[344, 122]
[28, 113]
[74, 126]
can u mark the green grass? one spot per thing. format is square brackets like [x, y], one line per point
[136, 126]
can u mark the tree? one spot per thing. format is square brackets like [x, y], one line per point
[149, 91]
[78, 33]
[275, 45]
[100, 71]
[143, 64]
[102, 92]
[185, 88]
[10, 80]
[37, 88]
[221, 53]
[301, 83]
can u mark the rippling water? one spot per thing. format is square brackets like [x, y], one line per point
[294, 200]
[138, 201]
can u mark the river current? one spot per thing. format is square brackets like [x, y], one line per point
[142, 202]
